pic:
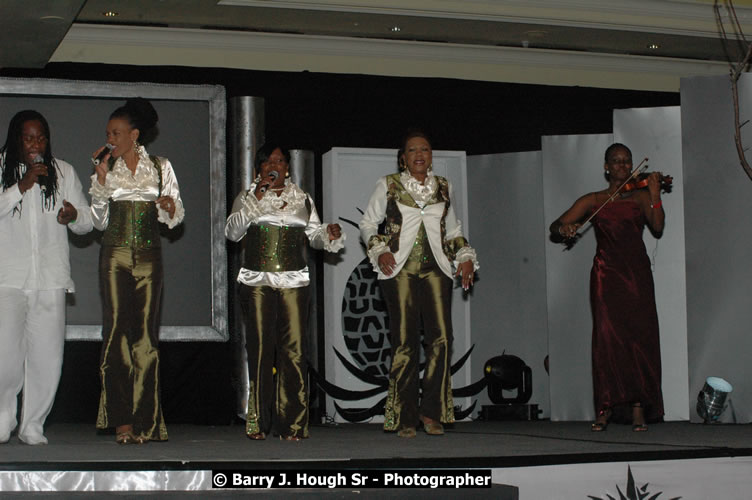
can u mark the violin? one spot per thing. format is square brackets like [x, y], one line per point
[641, 181]
[637, 180]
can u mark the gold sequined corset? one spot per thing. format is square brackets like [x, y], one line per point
[421, 256]
[132, 224]
[275, 248]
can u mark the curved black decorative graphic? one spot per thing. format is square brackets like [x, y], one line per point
[365, 328]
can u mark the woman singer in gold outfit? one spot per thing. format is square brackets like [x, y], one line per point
[132, 192]
[413, 257]
[277, 220]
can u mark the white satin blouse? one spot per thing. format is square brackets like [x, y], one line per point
[287, 209]
[143, 185]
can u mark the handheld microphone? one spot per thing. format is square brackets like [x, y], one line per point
[39, 159]
[107, 148]
[273, 176]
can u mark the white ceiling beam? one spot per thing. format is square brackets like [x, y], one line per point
[659, 16]
[286, 52]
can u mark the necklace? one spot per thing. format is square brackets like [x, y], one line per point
[614, 195]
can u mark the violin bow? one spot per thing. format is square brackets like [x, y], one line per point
[635, 172]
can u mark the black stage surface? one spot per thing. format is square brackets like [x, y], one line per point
[466, 444]
[348, 447]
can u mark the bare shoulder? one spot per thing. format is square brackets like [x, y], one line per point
[589, 200]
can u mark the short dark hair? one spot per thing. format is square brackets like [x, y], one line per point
[410, 133]
[616, 145]
[266, 150]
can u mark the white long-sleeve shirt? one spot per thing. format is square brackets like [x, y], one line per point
[247, 210]
[143, 185]
[34, 252]
[429, 215]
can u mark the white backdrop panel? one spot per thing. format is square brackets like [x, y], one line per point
[351, 175]
[655, 133]
[718, 201]
[509, 297]
[572, 166]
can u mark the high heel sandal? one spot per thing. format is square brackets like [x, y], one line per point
[406, 432]
[289, 438]
[126, 437]
[140, 439]
[257, 436]
[601, 422]
[432, 427]
[124, 434]
[638, 422]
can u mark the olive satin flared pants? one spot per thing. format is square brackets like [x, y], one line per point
[411, 296]
[131, 282]
[275, 325]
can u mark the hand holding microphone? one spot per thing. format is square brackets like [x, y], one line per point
[37, 169]
[265, 183]
[97, 160]
[102, 153]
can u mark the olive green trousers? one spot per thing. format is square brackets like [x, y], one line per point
[131, 283]
[275, 336]
[414, 299]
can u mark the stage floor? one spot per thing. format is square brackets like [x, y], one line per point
[466, 444]
[525, 460]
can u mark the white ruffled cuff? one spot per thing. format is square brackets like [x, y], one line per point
[333, 246]
[98, 191]
[163, 215]
[375, 252]
[464, 254]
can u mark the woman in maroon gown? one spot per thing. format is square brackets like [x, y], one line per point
[626, 347]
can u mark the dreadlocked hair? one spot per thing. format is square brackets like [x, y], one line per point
[11, 158]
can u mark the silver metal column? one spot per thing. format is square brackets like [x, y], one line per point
[302, 164]
[247, 129]
[246, 135]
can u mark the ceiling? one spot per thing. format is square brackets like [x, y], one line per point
[31, 30]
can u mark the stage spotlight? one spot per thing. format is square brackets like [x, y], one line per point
[509, 373]
[712, 399]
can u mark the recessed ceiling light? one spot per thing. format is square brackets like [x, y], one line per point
[654, 46]
[110, 13]
[396, 29]
[51, 19]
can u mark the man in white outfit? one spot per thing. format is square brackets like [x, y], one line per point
[40, 196]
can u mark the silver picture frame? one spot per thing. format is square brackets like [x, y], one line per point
[214, 97]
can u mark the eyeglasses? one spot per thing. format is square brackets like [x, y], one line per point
[31, 139]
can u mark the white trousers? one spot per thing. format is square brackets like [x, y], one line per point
[32, 337]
